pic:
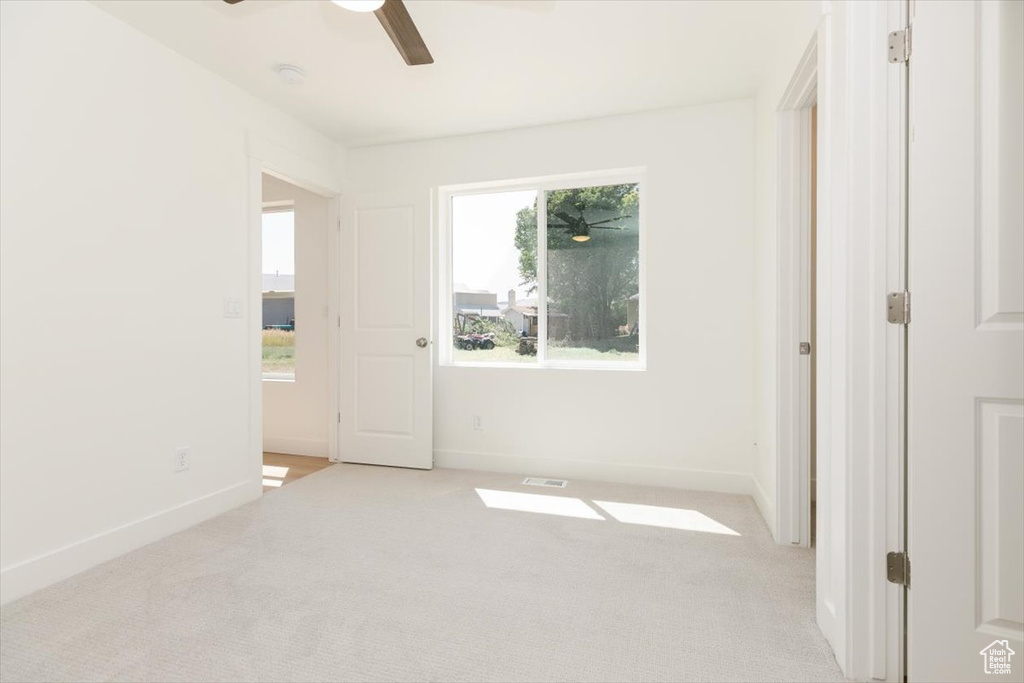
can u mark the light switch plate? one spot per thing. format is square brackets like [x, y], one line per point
[233, 308]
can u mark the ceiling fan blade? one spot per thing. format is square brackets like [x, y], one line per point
[395, 19]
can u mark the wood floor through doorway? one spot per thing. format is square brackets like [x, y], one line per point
[280, 469]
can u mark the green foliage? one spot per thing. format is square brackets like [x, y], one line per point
[504, 332]
[589, 280]
[278, 350]
[526, 243]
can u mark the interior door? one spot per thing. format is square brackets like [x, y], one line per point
[966, 341]
[386, 396]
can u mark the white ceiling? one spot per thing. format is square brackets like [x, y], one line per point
[499, 64]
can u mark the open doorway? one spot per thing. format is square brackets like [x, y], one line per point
[294, 334]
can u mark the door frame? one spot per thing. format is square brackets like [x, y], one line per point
[266, 156]
[861, 250]
[793, 284]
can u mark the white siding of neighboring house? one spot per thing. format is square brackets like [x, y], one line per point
[517, 319]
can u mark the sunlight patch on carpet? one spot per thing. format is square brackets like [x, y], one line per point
[668, 518]
[535, 502]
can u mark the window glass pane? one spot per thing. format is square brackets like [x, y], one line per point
[494, 277]
[593, 264]
[279, 293]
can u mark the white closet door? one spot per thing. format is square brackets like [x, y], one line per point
[966, 336]
[386, 397]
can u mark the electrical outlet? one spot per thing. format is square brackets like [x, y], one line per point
[181, 458]
[478, 422]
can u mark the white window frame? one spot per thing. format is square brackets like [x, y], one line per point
[542, 185]
[279, 206]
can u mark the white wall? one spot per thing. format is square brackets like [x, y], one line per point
[779, 70]
[124, 172]
[295, 413]
[689, 419]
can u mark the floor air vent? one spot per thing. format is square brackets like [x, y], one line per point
[540, 481]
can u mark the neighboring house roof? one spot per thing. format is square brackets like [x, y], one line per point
[278, 283]
[485, 311]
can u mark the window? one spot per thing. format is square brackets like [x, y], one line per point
[279, 291]
[574, 303]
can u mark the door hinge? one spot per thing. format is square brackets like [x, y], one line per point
[339, 418]
[805, 348]
[899, 46]
[898, 307]
[897, 569]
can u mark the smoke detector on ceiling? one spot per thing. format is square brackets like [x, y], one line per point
[290, 74]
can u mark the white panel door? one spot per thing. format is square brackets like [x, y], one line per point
[966, 337]
[386, 396]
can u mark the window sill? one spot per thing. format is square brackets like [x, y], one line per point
[278, 377]
[598, 367]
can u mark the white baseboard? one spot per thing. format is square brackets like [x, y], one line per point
[566, 468]
[295, 446]
[764, 506]
[38, 572]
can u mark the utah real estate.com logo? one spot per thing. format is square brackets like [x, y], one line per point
[997, 657]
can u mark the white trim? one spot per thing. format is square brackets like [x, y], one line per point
[793, 218]
[887, 629]
[764, 506]
[333, 327]
[802, 90]
[861, 231]
[542, 278]
[296, 446]
[877, 482]
[444, 353]
[292, 167]
[254, 295]
[285, 164]
[571, 468]
[562, 181]
[442, 350]
[43, 570]
[830, 555]
[603, 366]
[279, 206]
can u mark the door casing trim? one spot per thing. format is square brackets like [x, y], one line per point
[860, 257]
[265, 156]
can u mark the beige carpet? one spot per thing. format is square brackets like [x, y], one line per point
[365, 573]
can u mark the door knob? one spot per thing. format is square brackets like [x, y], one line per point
[421, 342]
